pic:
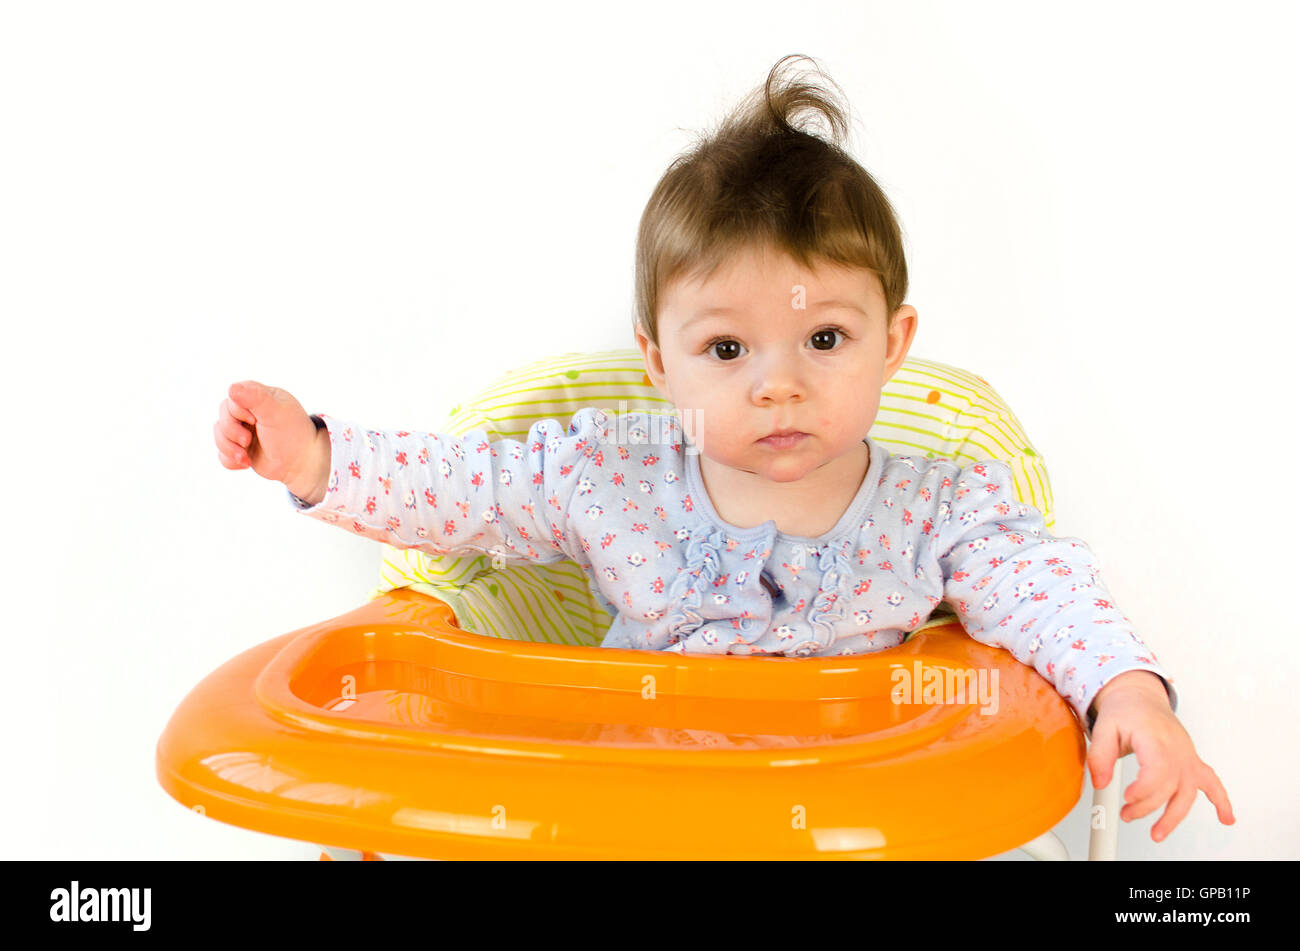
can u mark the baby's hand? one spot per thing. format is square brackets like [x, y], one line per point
[266, 428]
[1133, 716]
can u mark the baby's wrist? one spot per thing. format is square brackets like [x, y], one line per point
[1131, 681]
[310, 485]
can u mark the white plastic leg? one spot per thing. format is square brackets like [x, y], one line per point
[341, 855]
[390, 857]
[1103, 820]
[353, 855]
[1047, 848]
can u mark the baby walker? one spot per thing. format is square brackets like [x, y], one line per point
[466, 710]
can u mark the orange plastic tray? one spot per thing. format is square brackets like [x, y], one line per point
[389, 729]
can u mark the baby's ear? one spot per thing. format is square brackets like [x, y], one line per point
[653, 359]
[899, 337]
[644, 342]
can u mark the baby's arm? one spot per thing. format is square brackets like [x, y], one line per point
[1014, 586]
[445, 494]
[441, 494]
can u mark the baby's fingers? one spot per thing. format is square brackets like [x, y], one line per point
[1217, 795]
[230, 463]
[231, 454]
[1139, 807]
[1177, 811]
[1156, 782]
[234, 430]
[238, 412]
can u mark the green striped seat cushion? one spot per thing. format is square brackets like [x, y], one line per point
[928, 409]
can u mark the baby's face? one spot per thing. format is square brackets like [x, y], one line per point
[766, 345]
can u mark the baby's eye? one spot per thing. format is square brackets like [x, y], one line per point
[728, 347]
[825, 339]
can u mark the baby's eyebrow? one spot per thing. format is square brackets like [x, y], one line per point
[701, 314]
[830, 304]
[836, 302]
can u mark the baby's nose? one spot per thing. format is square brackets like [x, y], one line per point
[779, 382]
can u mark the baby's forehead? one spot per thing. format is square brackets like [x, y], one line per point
[750, 280]
[772, 263]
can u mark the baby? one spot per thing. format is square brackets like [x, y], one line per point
[762, 518]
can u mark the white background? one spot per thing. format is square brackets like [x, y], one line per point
[381, 206]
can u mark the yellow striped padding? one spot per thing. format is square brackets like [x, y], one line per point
[928, 409]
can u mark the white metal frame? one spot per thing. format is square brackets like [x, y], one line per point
[1103, 843]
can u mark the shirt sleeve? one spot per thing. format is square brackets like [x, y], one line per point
[446, 494]
[1014, 586]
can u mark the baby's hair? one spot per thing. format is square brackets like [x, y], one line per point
[759, 180]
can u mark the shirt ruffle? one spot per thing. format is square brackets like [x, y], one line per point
[691, 625]
[829, 603]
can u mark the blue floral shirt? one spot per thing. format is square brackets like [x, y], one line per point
[622, 496]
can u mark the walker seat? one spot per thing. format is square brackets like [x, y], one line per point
[390, 730]
[394, 731]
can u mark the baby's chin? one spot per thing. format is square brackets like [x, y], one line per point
[772, 467]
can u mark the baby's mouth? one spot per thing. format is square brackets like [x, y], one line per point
[783, 440]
